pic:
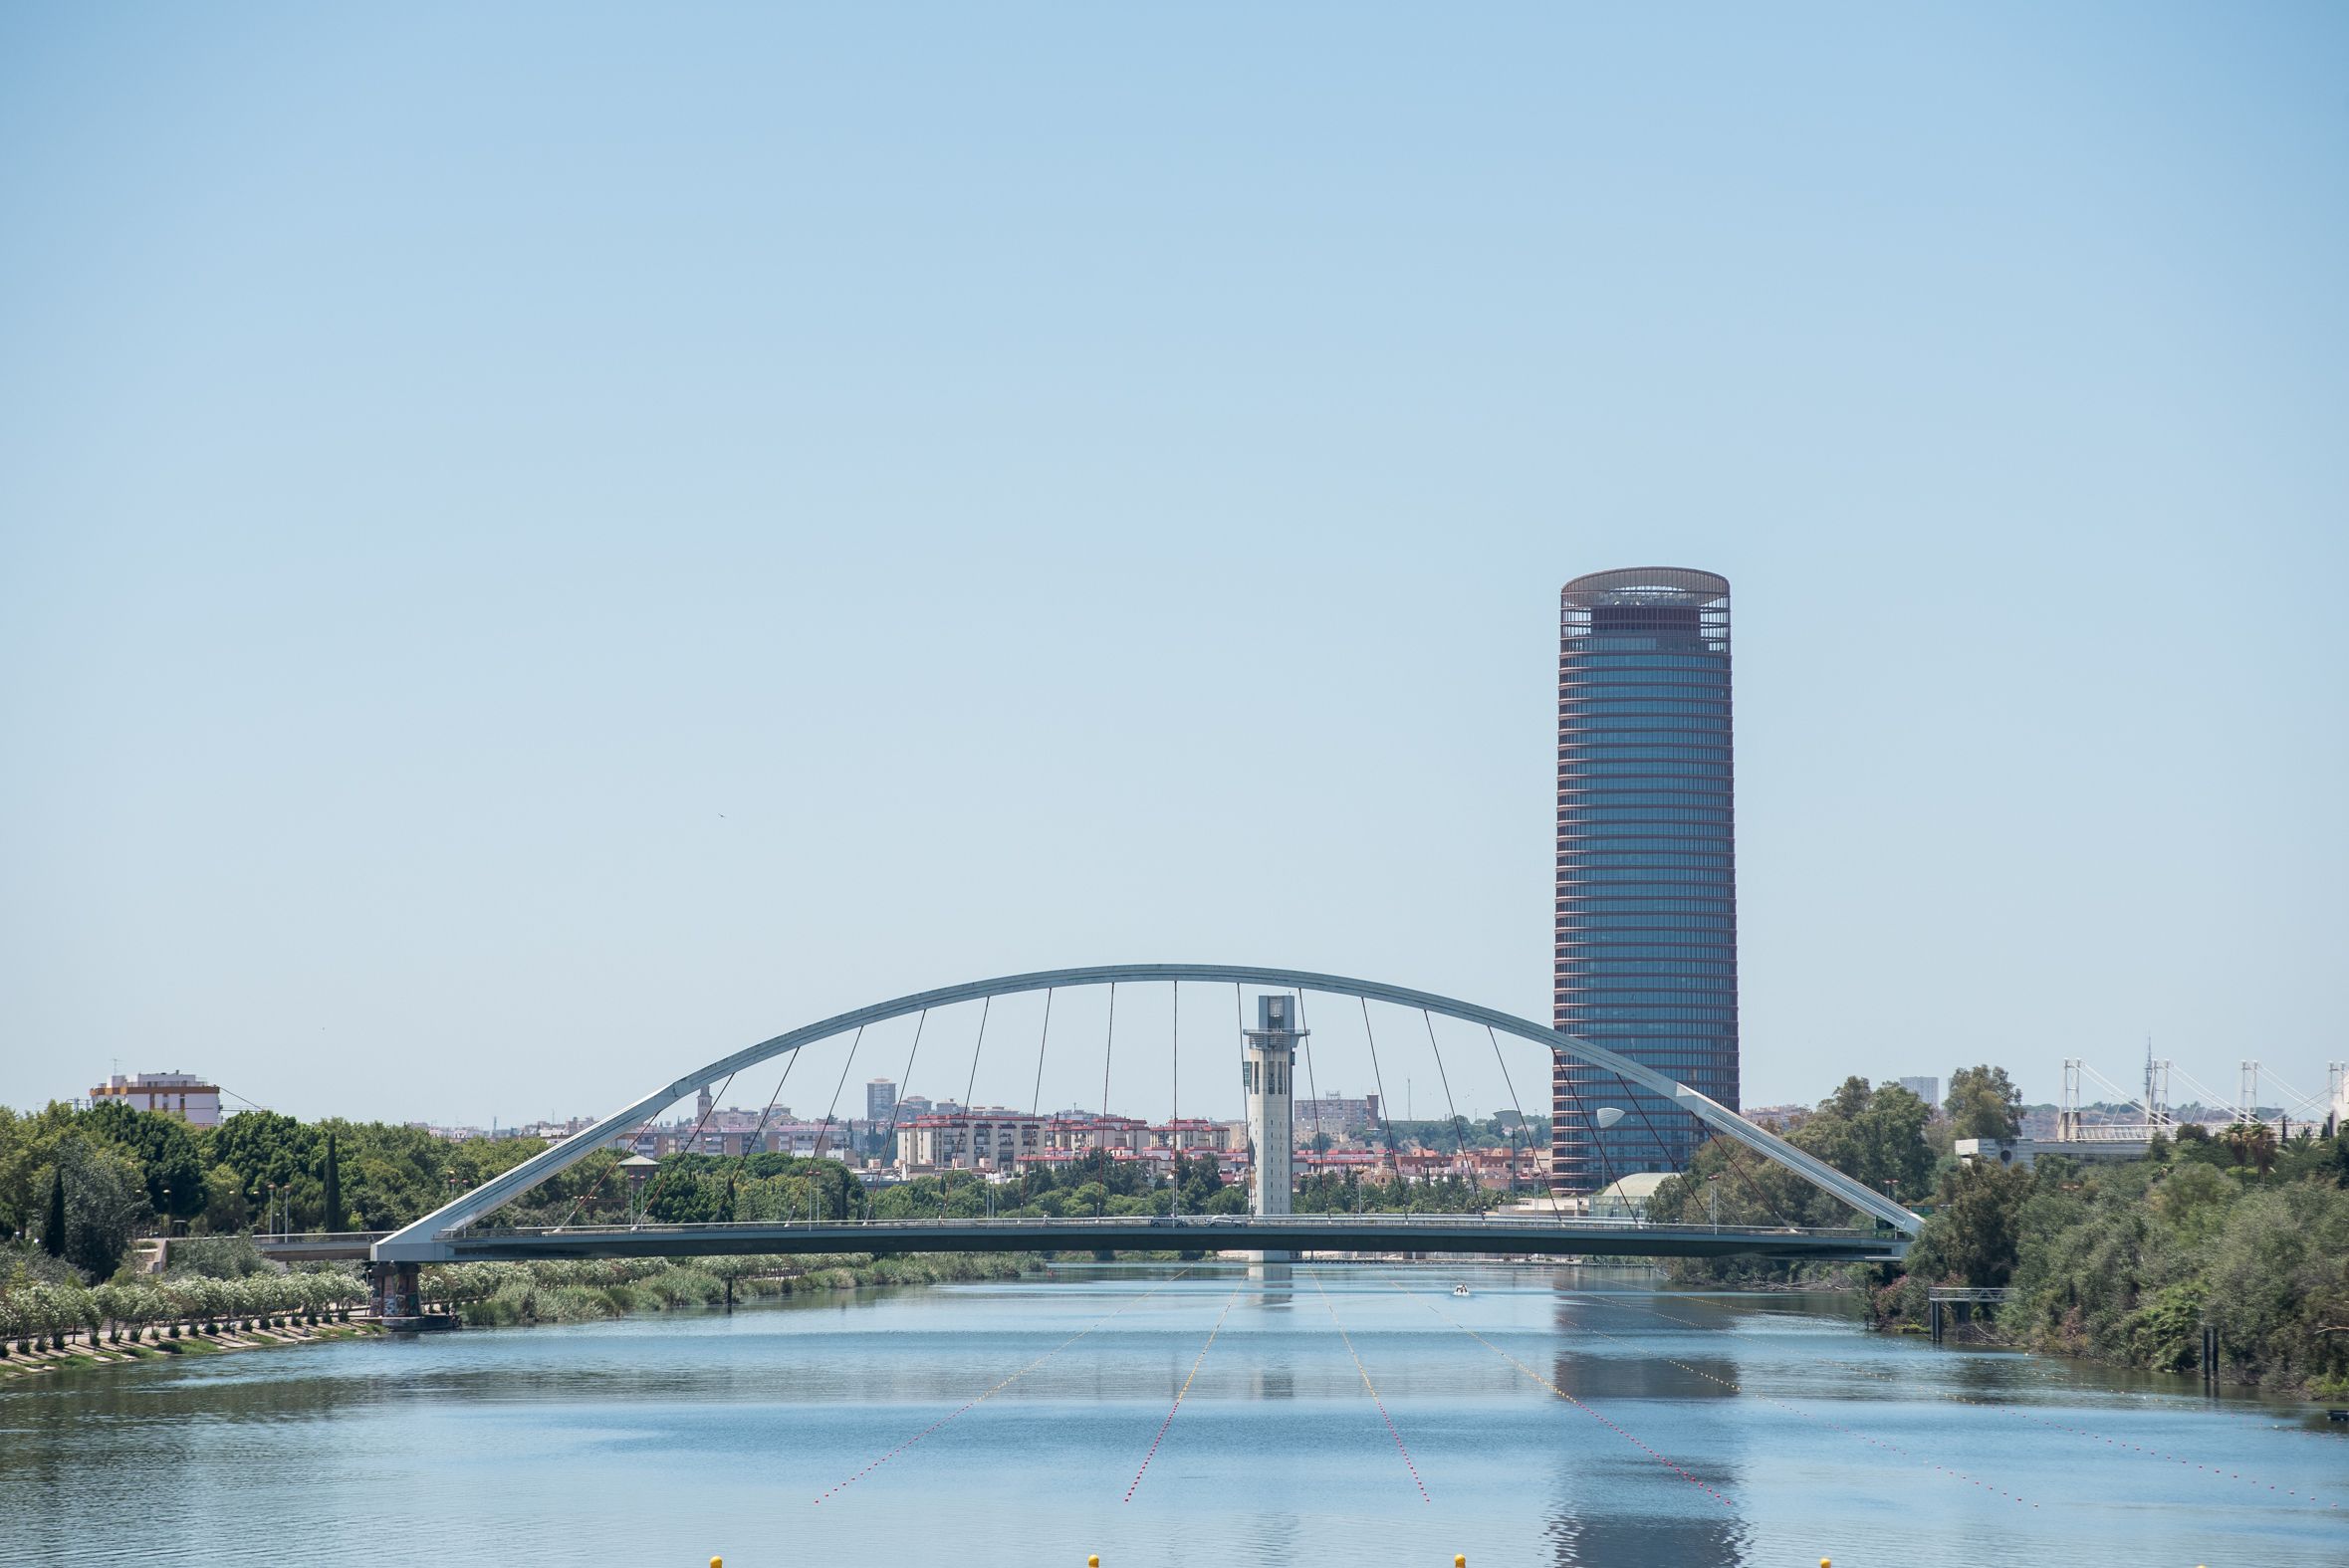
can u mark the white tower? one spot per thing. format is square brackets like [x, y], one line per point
[1266, 1067]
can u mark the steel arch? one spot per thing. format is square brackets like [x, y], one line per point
[423, 1240]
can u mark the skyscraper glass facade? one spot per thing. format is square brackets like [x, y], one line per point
[1646, 957]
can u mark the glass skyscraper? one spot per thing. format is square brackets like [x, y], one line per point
[1646, 957]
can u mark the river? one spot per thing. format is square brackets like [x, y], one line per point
[1341, 1414]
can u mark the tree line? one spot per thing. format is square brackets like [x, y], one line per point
[84, 1183]
[2123, 1262]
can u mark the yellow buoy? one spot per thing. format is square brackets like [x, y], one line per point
[1093, 1562]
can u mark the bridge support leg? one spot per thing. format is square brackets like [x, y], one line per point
[1933, 1319]
[397, 1292]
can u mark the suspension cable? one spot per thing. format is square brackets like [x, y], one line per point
[1515, 1105]
[1598, 1146]
[1312, 1082]
[1102, 1142]
[627, 1141]
[889, 1138]
[1108, 1049]
[1240, 1022]
[1632, 1095]
[1661, 1147]
[789, 1063]
[1394, 1160]
[1174, 1202]
[1730, 1150]
[970, 1147]
[1458, 1129]
[1035, 1099]
[652, 1190]
[825, 1132]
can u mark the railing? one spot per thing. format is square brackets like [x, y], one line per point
[1941, 1298]
[1207, 1223]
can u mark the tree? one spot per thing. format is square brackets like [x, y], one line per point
[267, 1151]
[1983, 1103]
[333, 1219]
[2251, 1144]
[53, 1229]
[106, 1199]
[1972, 1235]
[162, 1147]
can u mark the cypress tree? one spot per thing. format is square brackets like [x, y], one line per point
[334, 1183]
[53, 1230]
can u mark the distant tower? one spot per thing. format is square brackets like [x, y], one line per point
[701, 1107]
[1266, 1067]
[1647, 890]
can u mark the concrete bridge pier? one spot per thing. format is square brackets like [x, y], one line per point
[399, 1300]
[397, 1291]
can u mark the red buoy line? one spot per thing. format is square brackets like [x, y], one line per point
[982, 1399]
[1603, 1421]
[1316, 1276]
[1180, 1393]
[1737, 1388]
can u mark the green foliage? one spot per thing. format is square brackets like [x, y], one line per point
[1875, 1135]
[331, 1198]
[1329, 1193]
[1974, 1235]
[694, 1189]
[1448, 1135]
[2126, 1262]
[105, 1199]
[219, 1258]
[1984, 1102]
[265, 1151]
[53, 1225]
[30, 1305]
[164, 1148]
[1095, 1184]
[572, 1291]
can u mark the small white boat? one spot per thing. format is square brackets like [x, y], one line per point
[1460, 1290]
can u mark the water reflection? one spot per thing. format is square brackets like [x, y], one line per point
[1009, 1421]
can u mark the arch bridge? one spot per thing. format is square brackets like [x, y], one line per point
[452, 1232]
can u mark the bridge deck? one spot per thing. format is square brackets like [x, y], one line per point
[1398, 1232]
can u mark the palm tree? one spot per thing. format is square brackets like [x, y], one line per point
[2251, 1144]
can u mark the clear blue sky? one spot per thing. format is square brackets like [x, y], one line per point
[539, 545]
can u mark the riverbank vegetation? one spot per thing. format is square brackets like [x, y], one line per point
[692, 1188]
[86, 1182]
[2121, 1262]
[582, 1290]
[47, 1305]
